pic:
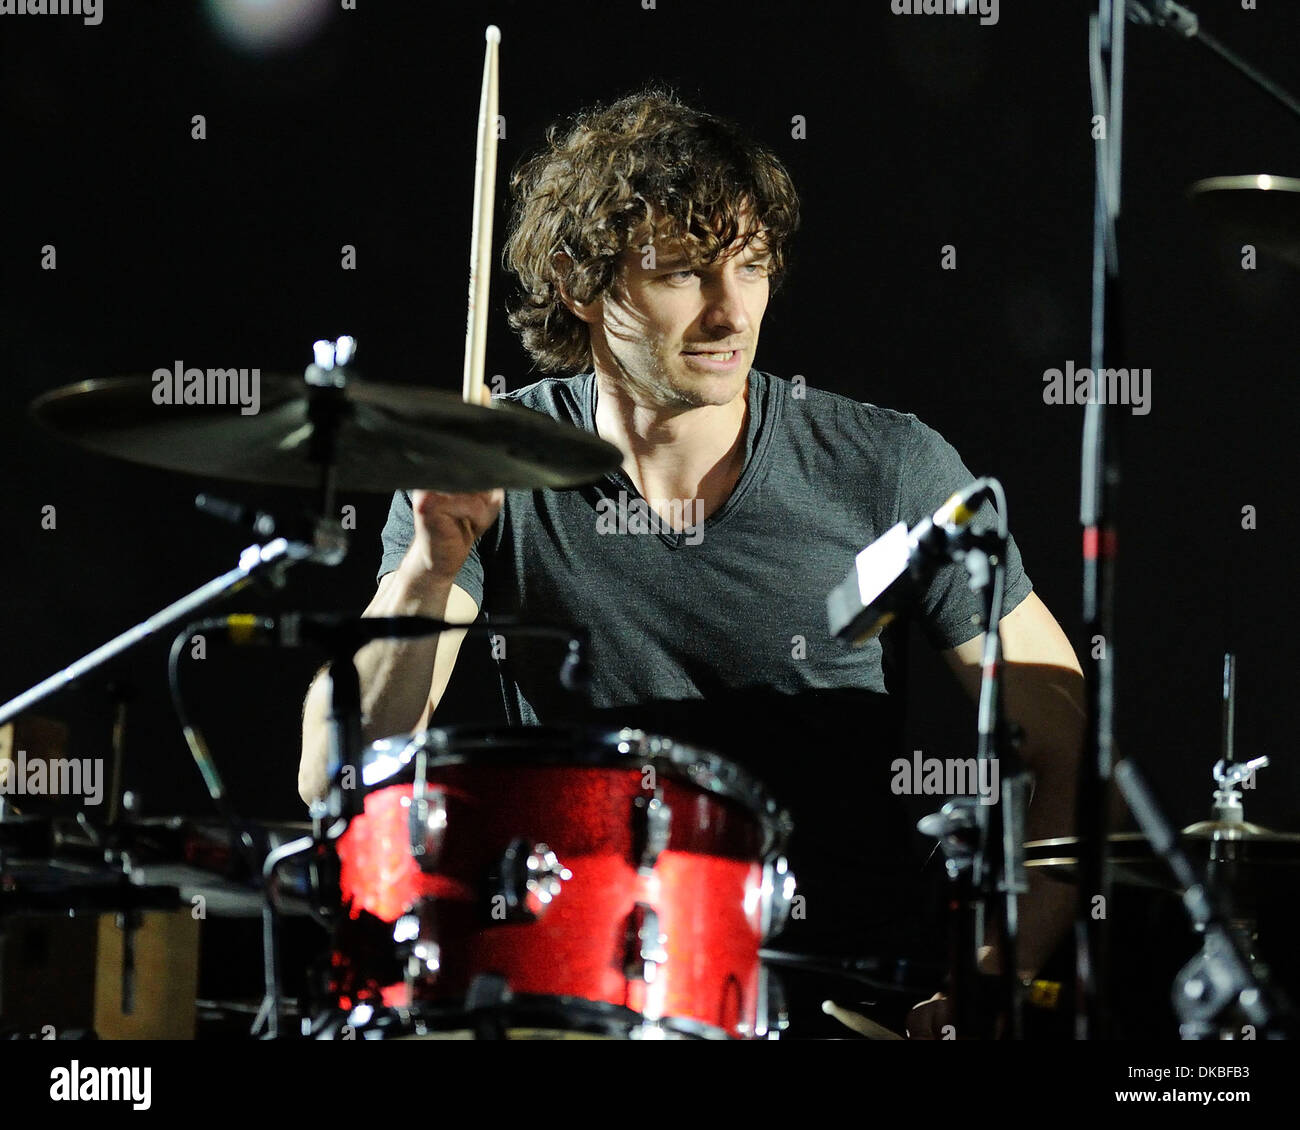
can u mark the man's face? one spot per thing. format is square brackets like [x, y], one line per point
[660, 325]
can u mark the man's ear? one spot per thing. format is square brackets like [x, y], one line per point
[589, 312]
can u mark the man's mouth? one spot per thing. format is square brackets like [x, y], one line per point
[727, 356]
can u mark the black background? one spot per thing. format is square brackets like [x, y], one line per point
[921, 132]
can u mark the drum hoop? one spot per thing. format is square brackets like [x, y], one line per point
[387, 760]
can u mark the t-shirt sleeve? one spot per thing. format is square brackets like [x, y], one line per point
[398, 531]
[932, 472]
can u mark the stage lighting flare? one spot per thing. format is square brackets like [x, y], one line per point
[268, 25]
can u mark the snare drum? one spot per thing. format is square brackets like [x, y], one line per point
[558, 881]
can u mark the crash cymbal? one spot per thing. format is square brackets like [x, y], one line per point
[1136, 863]
[391, 437]
[1261, 210]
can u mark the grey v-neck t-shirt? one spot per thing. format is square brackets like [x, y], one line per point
[718, 635]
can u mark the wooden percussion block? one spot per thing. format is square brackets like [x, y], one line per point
[38, 739]
[166, 978]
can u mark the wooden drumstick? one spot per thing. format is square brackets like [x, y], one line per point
[862, 1025]
[480, 245]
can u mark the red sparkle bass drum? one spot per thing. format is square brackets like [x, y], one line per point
[557, 882]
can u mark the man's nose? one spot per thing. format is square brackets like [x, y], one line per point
[725, 307]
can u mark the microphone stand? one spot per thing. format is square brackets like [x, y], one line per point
[994, 879]
[255, 561]
[983, 843]
[1097, 506]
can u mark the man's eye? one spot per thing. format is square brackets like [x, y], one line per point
[683, 275]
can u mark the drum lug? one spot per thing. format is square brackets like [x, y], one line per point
[777, 896]
[645, 945]
[414, 936]
[652, 828]
[527, 879]
[428, 828]
[428, 818]
[772, 1016]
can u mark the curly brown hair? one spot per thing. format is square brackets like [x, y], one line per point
[646, 167]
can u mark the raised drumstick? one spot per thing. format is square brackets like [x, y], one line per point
[480, 245]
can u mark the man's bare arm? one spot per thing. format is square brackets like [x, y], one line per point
[402, 681]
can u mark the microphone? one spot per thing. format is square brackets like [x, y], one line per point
[328, 541]
[885, 574]
[263, 524]
[296, 629]
[346, 633]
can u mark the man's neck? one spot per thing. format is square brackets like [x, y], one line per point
[673, 453]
